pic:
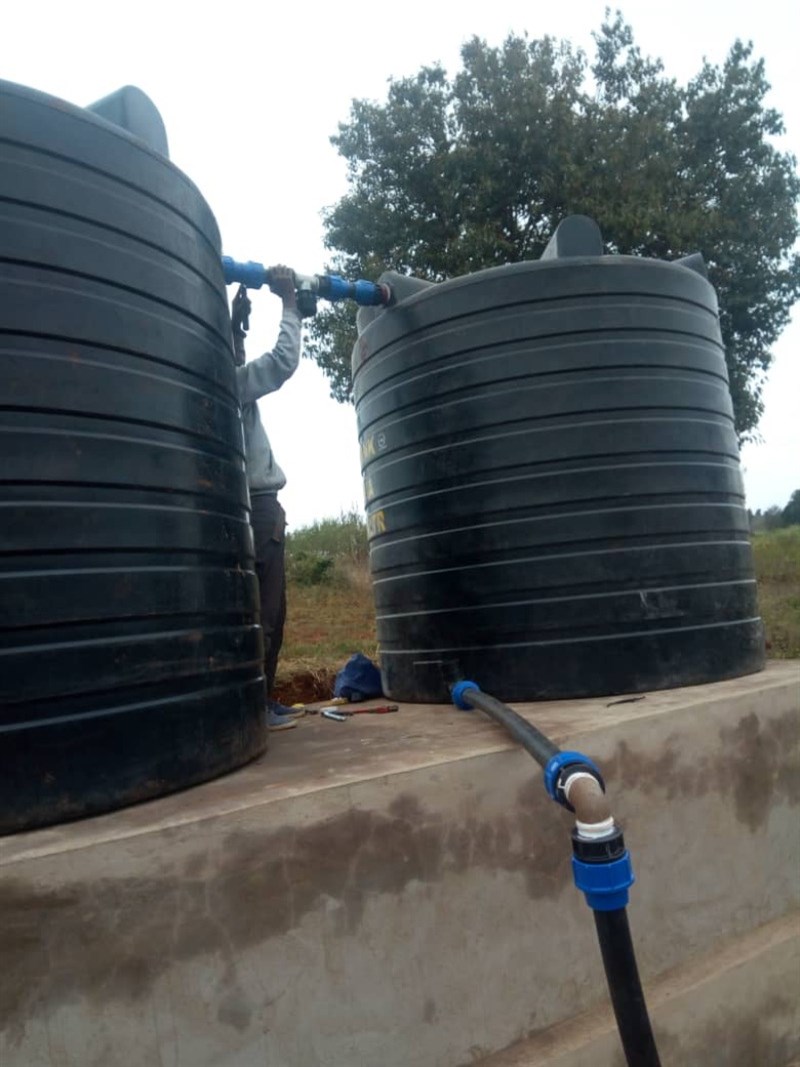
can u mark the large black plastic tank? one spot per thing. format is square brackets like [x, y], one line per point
[130, 650]
[554, 498]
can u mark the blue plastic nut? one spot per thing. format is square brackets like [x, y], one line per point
[557, 764]
[367, 294]
[459, 691]
[605, 885]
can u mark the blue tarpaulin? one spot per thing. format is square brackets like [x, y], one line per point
[359, 679]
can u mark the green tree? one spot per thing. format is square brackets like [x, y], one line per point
[772, 518]
[451, 175]
[791, 513]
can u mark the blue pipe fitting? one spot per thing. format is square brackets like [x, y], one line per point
[330, 286]
[334, 287]
[364, 293]
[250, 274]
[559, 762]
[368, 294]
[605, 885]
[458, 693]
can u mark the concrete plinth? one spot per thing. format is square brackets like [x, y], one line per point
[395, 891]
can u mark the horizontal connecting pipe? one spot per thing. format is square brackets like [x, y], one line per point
[329, 286]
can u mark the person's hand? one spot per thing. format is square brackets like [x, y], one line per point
[282, 283]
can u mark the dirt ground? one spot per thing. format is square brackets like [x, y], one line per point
[304, 686]
[325, 625]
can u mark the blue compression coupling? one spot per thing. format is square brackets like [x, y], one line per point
[332, 287]
[329, 286]
[253, 275]
[605, 885]
[458, 693]
[552, 773]
[365, 294]
[368, 294]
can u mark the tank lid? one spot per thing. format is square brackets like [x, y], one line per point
[134, 111]
[576, 235]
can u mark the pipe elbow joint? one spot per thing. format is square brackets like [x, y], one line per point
[561, 767]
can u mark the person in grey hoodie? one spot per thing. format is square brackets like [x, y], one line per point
[265, 478]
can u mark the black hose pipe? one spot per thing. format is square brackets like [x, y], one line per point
[627, 996]
[601, 865]
[532, 740]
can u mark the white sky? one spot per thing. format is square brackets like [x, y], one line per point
[250, 94]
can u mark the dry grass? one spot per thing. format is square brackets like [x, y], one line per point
[777, 556]
[325, 625]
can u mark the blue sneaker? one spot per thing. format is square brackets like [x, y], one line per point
[284, 712]
[280, 722]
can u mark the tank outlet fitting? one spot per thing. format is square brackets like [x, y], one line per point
[459, 693]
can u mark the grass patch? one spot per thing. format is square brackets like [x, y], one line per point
[777, 560]
[330, 608]
[344, 538]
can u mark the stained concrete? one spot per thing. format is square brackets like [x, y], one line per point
[704, 1011]
[396, 891]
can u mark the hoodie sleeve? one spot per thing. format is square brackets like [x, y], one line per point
[269, 372]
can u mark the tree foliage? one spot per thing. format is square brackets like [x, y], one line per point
[791, 513]
[451, 175]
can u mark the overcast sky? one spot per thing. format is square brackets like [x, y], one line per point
[250, 94]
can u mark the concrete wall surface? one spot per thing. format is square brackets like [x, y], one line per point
[737, 1004]
[395, 891]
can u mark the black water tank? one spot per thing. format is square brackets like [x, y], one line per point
[551, 469]
[130, 651]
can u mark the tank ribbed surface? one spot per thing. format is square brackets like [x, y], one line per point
[554, 497]
[130, 650]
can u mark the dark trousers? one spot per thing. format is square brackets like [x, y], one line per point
[269, 531]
